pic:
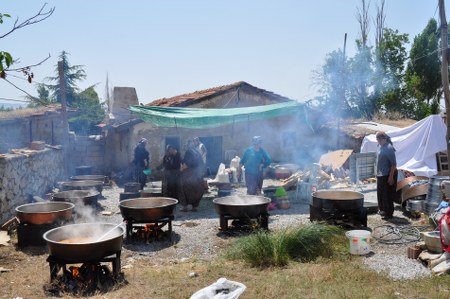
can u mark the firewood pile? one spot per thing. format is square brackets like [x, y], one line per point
[323, 176]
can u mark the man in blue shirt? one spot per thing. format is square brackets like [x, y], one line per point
[255, 159]
[386, 175]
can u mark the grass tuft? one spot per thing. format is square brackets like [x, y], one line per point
[306, 243]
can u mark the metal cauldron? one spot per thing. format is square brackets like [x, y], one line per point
[147, 209]
[338, 200]
[243, 206]
[88, 197]
[44, 212]
[90, 177]
[82, 185]
[78, 242]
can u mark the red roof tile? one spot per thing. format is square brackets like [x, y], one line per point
[200, 95]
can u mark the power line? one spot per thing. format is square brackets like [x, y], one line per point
[13, 100]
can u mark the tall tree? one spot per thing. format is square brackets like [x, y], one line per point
[361, 72]
[423, 77]
[391, 56]
[72, 74]
[90, 112]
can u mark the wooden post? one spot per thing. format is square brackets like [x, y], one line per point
[341, 100]
[444, 70]
[65, 124]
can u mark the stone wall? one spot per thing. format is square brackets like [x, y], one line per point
[88, 150]
[19, 132]
[23, 176]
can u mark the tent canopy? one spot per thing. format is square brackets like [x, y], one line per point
[416, 146]
[200, 118]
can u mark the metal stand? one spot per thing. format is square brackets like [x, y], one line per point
[263, 221]
[56, 264]
[157, 224]
[356, 217]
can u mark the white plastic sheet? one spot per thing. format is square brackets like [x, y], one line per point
[416, 146]
[221, 289]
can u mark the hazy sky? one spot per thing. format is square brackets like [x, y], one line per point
[167, 48]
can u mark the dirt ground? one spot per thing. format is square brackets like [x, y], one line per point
[24, 271]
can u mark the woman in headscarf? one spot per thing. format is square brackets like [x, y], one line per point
[192, 187]
[386, 175]
[141, 162]
[171, 172]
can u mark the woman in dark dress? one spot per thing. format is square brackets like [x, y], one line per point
[192, 187]
[171, 171]
[141, 162]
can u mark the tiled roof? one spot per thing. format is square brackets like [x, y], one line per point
[200, 95]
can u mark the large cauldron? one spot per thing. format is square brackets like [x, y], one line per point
[82, 185]
[89, 177]
[78, 242]
[88, 197]
[338, 200]
[44, 212]
[244, 206]
[149, 209]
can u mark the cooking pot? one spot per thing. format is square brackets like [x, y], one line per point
[82, 185]
[243, 206]
[44, 212]
[403, 183]
[415, 205]
[90, 177]
[79, 242]
[88, 197]
[151, 192]
[147, 209]
[414, 191]
[338, 200]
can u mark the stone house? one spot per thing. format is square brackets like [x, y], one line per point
[284, 137]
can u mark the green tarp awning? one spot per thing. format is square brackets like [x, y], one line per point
[199, 118]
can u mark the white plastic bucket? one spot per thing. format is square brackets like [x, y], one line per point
[358, 241]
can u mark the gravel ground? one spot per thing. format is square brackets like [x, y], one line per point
[196, 235]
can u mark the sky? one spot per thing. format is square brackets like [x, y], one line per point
[172, 47]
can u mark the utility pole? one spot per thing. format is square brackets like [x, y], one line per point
[444, 70]
[341, 100]
[65, 124]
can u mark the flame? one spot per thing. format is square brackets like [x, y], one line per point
[149, 227]
[75, 271]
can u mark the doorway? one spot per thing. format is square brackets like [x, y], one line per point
[213, 145]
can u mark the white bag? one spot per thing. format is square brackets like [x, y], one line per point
[221, 289]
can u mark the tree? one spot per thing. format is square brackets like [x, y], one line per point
[90, 112]
[329, 80]
[391, 56]
[72, 74]
[423, 77]
[6, 59]
[43, 97]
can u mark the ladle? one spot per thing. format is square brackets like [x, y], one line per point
[108, 232]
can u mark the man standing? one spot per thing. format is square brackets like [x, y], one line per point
[386, 175]
[141, 162]
[255, 159]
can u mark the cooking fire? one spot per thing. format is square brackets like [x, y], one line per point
[84, 280]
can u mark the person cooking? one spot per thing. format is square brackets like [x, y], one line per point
[254, 159]
[192, 171]
[171, 172]
[141, 162]
[386, 175]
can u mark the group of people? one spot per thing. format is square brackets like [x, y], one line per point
[182, 176]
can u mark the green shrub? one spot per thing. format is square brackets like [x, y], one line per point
[306, 243]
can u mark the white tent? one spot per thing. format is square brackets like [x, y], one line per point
[416, 146]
